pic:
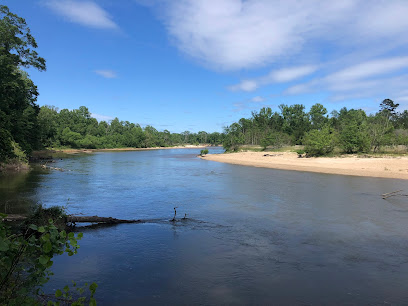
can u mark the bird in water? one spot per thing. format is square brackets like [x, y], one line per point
[175, 213]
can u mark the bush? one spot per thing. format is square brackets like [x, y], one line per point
[26, 258]
[275, 139]
[354, 138]
[203, 152]
[319, 143]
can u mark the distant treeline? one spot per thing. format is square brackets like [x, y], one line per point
[350, 130]
[77, 129]
[25, 127]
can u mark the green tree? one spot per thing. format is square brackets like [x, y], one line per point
[48, 123]
[354, 135]
[381, 130]
[296, 121]
[18, 111]
[320, 142]
[26, 256]
[318, 116]
[388, 108]
[233, 137]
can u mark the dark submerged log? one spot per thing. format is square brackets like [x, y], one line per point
[80, 219]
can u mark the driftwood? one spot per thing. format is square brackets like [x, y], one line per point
[390, 194]
[80, 219]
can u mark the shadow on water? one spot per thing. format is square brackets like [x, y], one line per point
[17, 191]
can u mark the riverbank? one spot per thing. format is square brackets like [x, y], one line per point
[14, 166]
[384, 167]
[77, 151]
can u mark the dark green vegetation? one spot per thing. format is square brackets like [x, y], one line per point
[18, 111]
[203, 152]
[77, 129]
[26, 253]
[349, 130]
[25, 127]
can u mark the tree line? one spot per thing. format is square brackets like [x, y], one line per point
[25, 127]
[350, 130]
[77, 129]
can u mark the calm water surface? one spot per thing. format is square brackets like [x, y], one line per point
[253, 235]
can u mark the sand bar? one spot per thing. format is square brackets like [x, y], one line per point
[76, 151]
[385, 167]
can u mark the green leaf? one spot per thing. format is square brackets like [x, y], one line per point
[43, 259]
[80, 235]
[66, 288]
[63, 234]
[92, 302]
[93, 287]
[71, 235]
[58, 293]
[33, 227]
[41, 229]
[4, 245]
[47, 247]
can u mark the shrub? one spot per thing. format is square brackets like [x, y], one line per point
[203, 152]
[319, 143]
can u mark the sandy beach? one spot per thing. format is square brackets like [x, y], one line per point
[385, 167]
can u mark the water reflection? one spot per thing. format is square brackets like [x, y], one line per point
[17, 191]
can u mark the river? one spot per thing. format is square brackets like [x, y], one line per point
[252, 235]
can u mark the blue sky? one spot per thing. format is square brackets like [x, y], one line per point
[203, 64]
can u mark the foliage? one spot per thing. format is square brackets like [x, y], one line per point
[388, 108]
[381, 130]
[18, 152]
[295, 121]
[67, 295]
[350, 129]
[18, 111]
[275, 139]
[203, 152]
[354, 135]
[234, 137]
[26, 256]
[319, 142]
[77, 129]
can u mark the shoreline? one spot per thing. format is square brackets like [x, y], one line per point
[382, 167]
[76, 151]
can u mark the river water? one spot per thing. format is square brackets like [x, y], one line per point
[252, 235]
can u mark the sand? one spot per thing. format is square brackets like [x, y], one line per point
[76, 151]
[385, 167]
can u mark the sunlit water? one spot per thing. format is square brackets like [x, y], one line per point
[252, 235]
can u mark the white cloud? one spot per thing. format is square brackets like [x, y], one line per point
[402, 99]
[109, 74]
[236, 34]
[258, 99]
[369, 69]
[101, 117]
[86, 13]
[245, 85]
[384, 78]
[276, 76]
[288, 74]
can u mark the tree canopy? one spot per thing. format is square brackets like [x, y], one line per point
[351, 130]
[18, 94]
